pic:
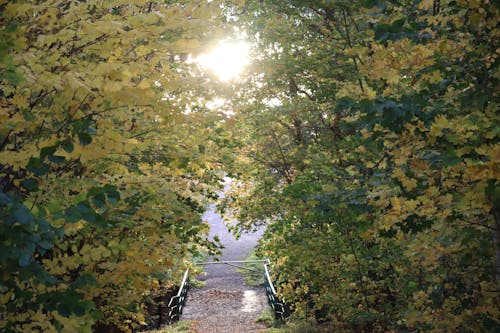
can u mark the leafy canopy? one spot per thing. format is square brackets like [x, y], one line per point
[370, 141]
[101, 178]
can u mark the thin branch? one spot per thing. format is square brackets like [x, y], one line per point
[282, 154]
[96, 113]
[5, 141]
[354, 22]
[306, 93]
[360, 274]
[348, 35]
[67, 167]
[281, 169]
[40, 128]
[77, 49]
[68, 120]
[286, 169]
[144, 132]
[482, 225]
[40, 96]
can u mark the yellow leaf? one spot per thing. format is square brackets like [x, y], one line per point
[410, 205]
[440, 123]
[20, 101]
[145, 84]
[409, 183]
[433, 77]
[396, 204]
[426, 4]
[74, 323]
[370, 93]
[419, 165]
[388, 221]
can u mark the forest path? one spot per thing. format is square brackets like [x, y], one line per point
[226, 303]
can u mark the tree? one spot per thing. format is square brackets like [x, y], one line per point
[101, 177]
[373, 157]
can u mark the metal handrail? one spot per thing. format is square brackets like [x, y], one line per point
[231, 262]
[177, 302]
[268, 278]
[281, 310]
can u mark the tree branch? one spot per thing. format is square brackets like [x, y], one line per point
[5, 140]
[74, 50]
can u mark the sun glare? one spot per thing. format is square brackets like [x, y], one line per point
[227, 60]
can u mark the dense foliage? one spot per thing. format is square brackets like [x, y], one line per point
[366, 136]
[370, 147]
[101, 180]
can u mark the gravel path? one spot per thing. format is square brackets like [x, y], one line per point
[226, 303]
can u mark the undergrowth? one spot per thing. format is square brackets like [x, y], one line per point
[253, 271]
[185, 326]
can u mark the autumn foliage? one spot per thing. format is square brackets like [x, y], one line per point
[374, 161]
[365, 136]
[101, 182]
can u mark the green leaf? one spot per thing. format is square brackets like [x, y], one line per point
[37, 167]
[67, 145]
[44, 244]
[28, 116]
[72, 214]
[450, 158]
[57, 159]
[12, 76]
[97, 315]
[84, 138]
[31, 184]
[23, 215]
[86, 212]
[84, 280]
[24, 259]
[99, 200]
[42, 211]
[112, 193]
[47, 151]
[4, 199]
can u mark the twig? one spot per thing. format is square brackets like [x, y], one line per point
[5, 140]
[74, 50]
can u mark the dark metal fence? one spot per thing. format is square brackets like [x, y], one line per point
[176, 303]
[281, 310]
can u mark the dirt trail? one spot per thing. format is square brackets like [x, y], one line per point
[226, 303]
